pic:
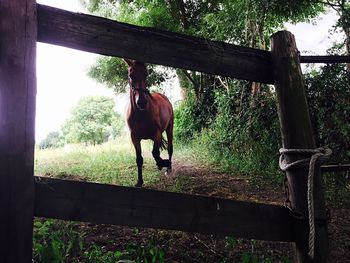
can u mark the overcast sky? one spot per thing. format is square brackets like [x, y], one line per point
[62, 80]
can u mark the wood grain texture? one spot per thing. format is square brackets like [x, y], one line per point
[108, 204]
[107, 37]
[297, 133]
[17, 120]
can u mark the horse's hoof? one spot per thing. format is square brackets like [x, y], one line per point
[163, 163]
[139, 184]
[166, 163]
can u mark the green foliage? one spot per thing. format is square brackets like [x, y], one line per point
[97, 254]
[52, 140]
[231, 242]
[55, 241]
[342, 8]
[110, 71]
[92, 121]
[328, 96]
[117, 126]
[190, 119]
[243, 136]
[150, 253]
[113, 72]
[112, 162]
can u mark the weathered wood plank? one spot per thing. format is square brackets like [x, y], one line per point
[17, 114]
[108, 204]
[107, 37]
[325, 59]
[297, 133]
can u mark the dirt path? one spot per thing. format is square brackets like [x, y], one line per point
[189, 247]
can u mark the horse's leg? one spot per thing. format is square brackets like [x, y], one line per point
[139, 160]
[156, 152]
[169, 134]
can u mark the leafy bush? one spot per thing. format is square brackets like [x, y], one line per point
[328, 92]
[52, 140]
[117, 126]
[241, 133]
[186, 124]
[328, 96]
[55, 241]
[92, 121]
[97, 254]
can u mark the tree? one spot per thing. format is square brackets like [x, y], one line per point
[91, 120]
[244, 22]
[52, 140]
[117, 127]
[113, 72]
[328, 97]
[342, 7]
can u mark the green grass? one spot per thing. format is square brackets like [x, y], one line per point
[112, 162]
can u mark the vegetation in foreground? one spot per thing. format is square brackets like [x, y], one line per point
[114, 162]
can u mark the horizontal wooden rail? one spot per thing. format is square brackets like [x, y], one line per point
[325, 59]
[135, 207]
[335, 168]
[108, 37]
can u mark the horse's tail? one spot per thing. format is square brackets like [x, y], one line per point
[163, 144]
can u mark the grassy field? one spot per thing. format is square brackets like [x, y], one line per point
[112, 162]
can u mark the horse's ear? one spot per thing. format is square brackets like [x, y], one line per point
[130, 62]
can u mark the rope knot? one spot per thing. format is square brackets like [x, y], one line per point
[318, 156]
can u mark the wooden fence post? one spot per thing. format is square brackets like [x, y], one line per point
[18, 33]
[297, 133]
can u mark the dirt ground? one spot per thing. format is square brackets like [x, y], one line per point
[189, 247]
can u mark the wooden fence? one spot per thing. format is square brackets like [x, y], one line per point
[22, 195]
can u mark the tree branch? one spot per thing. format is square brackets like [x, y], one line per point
[188, 75]
[329, 3]
[223, 83]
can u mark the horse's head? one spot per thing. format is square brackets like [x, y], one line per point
[137, 74]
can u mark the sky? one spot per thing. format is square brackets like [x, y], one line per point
[62, 79]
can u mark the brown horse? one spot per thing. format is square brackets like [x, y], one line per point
[148, 116]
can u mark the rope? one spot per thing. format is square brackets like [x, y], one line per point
[317, 155]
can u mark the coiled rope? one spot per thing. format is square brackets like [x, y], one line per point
[317, 155]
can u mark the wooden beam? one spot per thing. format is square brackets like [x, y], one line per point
[17, 120]
[325, 59]
[108, 204]
[111, 38]
[297, 133]
[335, 168]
